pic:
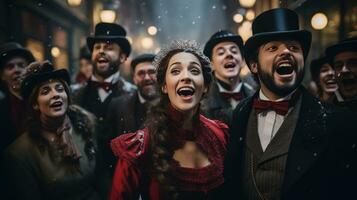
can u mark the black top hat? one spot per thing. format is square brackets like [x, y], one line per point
[37, 73]
[142, 58]
[315, 67]
[85, 53]
[222, 36]
[110, 32]
[11, 49]
[349, 44]
[276, 24]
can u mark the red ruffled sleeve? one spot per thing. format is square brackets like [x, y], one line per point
[219, 128]
[130, 149]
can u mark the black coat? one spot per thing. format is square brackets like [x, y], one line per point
[321, 162]
[87, 97]
[214, 106]
[125, 115]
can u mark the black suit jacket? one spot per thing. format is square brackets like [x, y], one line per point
[125, 114]
[214, 106]
[88, 98]
[322, 157]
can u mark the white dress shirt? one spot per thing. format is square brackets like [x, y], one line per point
[111, 79]
[237, 89]
[269, 121]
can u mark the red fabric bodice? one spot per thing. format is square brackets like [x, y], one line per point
[134, 159]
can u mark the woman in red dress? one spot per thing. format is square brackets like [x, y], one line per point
[179, 154]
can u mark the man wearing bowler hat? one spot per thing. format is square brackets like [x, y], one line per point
[343, 58]
[225, 50]
[13, 60]
[109, 48]
[284, 143]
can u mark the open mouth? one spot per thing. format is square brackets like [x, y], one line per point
[56, 104]
[331, 82]
[102, 60]
[229, 65]
[186, 91]
[285, 68]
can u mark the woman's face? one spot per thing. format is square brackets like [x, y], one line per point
[327, 79]
[52, 100]
[184, 83]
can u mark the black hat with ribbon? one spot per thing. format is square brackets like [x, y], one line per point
[110, 32]
[349, 44]
[37, 73]
[276, 24]
[12, 49]
[222, 36]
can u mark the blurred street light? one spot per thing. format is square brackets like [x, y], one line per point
[247, 3]
[107, 16]
[152, 30]
[250, 15]
[238, 18]
[74, 2]
[147, 42]
[55, 52]
[319, 21]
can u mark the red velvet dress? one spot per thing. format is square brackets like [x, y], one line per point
[132, 174]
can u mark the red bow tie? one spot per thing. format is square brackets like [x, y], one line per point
[104, 85]
[236, 96]
[280, 107]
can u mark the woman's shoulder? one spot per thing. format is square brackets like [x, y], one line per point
[219, 128]
[131, 146]
[21, 148]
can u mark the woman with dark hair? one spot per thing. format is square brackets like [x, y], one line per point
[324, 76]
[180, 153]
[55, 158]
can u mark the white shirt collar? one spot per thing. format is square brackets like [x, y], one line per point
[141, 98]
[263, 97]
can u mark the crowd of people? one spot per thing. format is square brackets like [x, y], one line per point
[188, 126]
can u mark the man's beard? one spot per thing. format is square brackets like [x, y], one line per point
[280, 90]
[148, 94]
[113, 68]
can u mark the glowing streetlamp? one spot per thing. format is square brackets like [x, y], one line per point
[319, 21]
[107, 16]
[74, 2]
[247, 3]
[238, 18]
[152, 30]
[250, 15]
[55, 52]
[147, 42]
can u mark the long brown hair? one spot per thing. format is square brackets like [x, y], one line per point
[158, 122]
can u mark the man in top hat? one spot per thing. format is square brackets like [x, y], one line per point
[343, 58]
[225, 50]
[13, 60]
[324, 77]
[109, 48]
[284, 143]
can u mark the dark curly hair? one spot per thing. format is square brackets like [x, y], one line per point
[158, 120]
